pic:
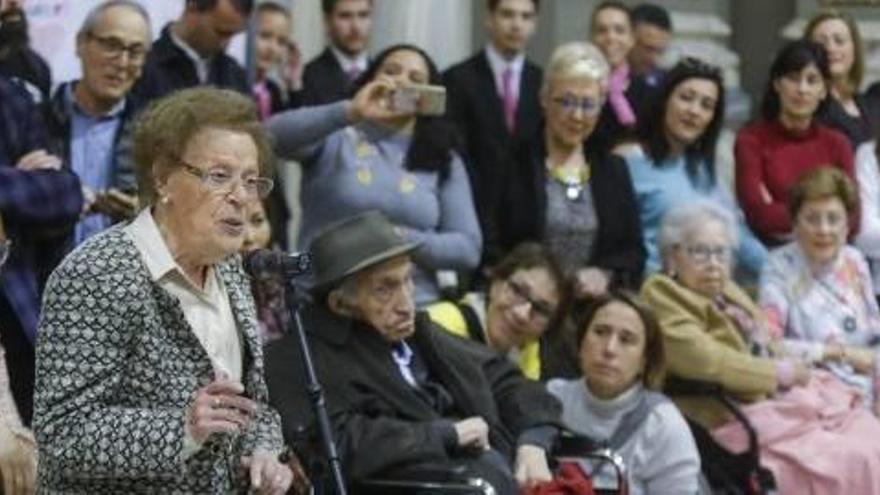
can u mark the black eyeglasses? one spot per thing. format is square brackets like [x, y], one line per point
[114, 48]
[522, 294]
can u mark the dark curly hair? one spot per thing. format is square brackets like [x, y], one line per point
[652, 131]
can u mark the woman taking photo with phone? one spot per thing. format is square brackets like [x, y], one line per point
[366, 153]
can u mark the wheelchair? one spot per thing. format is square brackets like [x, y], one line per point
[454, 480]
[725, 472]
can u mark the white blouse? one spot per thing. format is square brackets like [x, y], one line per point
[868, 178]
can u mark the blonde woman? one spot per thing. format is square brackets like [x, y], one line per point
[847, 110]
[578, 202]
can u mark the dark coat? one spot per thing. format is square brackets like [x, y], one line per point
[522, 213]
[168, 68]
[474, 105]
[378, 420]
[324, 81]
[609, 132]
[857, 129]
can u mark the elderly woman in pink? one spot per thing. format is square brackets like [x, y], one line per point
[817, 290]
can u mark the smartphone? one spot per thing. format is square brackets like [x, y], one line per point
[423, 99]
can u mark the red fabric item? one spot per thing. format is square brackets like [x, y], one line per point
[770, 159]
[569, 480]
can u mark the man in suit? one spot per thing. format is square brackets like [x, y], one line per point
[493, 98]
[401, 392]
[191, 51]
[652, 30]
[329, 77]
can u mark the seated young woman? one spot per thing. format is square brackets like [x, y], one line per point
[713, 332]
[526, 291]
[620, 348]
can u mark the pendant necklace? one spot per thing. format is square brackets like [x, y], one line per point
[573, 180]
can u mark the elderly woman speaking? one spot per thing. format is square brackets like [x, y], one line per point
[150, 372]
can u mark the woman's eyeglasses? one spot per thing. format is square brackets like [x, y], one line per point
[571, 104]
[522, 294]
[220, 181]
[703, 253]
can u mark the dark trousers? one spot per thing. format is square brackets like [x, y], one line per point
[20, 361]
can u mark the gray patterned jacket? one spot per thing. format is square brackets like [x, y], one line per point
[117, 365]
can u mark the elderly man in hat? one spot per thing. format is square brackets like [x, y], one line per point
[401, 393]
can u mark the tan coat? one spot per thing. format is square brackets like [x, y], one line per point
[702, 343]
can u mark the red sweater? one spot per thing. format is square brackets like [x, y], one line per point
[772, 158]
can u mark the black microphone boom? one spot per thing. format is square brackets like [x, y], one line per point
[263, 262]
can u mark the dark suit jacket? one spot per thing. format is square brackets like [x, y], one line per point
[168, 69]
[324, 80]
[522, 213]
[474, 105]
[378, 420]
[609, 132]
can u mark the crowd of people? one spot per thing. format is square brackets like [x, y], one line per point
[540, 258]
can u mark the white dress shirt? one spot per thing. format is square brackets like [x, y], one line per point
[202, 65]
[358, 63]
[868, 179]
[207, 310]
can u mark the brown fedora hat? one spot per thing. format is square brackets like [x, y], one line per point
[353, 244]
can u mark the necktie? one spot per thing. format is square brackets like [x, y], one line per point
[353, 73]
[616, 87]
[508, 99]
[263, 100]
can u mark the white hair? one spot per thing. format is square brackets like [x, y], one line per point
[577, 60]
[94, 15]
[684, 220]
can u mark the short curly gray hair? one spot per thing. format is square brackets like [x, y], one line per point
[684, 220]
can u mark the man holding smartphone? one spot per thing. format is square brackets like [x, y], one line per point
[88, 118]
[493, 97]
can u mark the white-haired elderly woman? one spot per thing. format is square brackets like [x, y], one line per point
[149, 362]
[714, 332]
[579, 203]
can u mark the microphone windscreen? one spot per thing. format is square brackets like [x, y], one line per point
[261, 263]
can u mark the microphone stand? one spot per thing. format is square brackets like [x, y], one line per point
[313, 387]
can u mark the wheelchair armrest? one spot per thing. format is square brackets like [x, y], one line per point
[426, 478]
[572, 447]
[683, 387]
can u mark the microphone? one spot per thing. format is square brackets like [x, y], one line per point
[262, 262]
